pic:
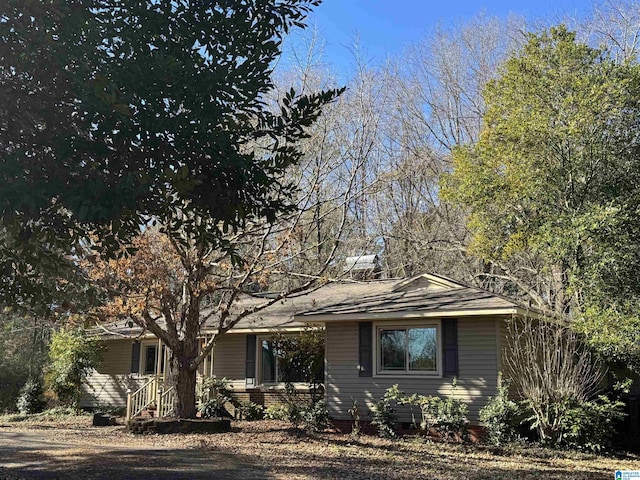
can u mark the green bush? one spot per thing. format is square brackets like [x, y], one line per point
[447, 416]
[278, 411]
[383, 417]
[73, 355]
[31, 397]
[309, 414]
[500, 416]
[315, 417]
[451, 418]
[251, 411]
[590, 426]
[587, 425]
[213, 396]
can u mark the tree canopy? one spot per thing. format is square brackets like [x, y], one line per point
[122, 113]
[554, 178]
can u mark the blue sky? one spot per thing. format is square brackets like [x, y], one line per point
[386, 26]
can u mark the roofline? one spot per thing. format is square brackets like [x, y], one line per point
[257, 330]
[149, 335]
[433, 278]
[346, 317]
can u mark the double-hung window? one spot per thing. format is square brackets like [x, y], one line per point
[411, 349]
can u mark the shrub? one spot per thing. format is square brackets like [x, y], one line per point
[447, 416]
[451, 418]
[251, 411]
[301, 359]
[383, 415]
[213, 396]
[500, 416]
[73, 355]
[586, 425]
[277, 412]
[315, 418]
[553, 371]
[31, 397]
[311, 415]
[428, 410]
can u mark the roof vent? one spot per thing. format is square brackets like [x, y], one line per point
[363, 267]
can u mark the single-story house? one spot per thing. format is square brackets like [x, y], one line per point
[419, 333]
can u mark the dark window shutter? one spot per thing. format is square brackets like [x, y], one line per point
[135, 357]
[365, 359]
[450, 347]
[250, 366]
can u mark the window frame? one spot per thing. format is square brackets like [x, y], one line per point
[395, 325]
[146, 345]
[258, 373]
[259, 379]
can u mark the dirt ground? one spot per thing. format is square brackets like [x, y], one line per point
[270, 450]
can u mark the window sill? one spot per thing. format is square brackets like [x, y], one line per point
[407, 375]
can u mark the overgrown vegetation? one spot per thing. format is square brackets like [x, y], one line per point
[73, 356]
[23, 354]
[250, 411]
[301, 359]
[447, 417]
[31, 398]
[383, 412]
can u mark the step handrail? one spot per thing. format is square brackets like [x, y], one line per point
[135, 402]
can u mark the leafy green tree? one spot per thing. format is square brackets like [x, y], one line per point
[140, 112]
[73, 355]
[122, 113]
[554, 178]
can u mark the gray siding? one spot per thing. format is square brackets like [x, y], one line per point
[477, 379]
[229, 356]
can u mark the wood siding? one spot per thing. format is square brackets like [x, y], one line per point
[477, 380]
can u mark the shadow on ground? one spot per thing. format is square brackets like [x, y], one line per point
[28, 455]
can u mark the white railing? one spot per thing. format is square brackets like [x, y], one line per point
[166, 400]
[142, 398]
[151, 396]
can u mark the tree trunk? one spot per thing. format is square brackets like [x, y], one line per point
[183, 378]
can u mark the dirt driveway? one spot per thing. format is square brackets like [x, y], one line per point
[271, 450]
[54, 453]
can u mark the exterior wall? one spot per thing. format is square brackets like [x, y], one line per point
[229, 359]
[477, 368]
[105, 389]
[230, 355]
[109, 384]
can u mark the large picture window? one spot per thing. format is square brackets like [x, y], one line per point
[408, 349]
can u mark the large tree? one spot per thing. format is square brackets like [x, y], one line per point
[552, 183]
[117, 113]
[121, 114]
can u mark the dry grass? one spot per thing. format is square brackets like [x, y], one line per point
[270, 449]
